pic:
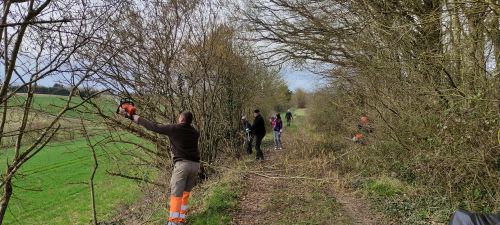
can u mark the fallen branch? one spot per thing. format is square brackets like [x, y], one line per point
[290, 178]
[267, 176]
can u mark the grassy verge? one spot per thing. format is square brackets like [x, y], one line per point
[212, 202]
[406, 203]
[215, 201]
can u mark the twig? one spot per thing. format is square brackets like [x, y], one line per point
[134, 178]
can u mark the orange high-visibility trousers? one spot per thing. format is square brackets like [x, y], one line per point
[184, 205]
[182, 182]
[178, 208]
[175, 209]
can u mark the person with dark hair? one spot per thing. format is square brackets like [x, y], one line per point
[277, 130]
[259, 130]
[186, 156]
[288, 117]
[248, 136]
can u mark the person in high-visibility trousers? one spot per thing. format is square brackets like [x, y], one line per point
[186, 156]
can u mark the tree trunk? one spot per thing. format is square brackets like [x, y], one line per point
[495, 39]
[7, 194]
[456, 39]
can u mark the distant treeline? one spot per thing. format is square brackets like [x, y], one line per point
[57, 89]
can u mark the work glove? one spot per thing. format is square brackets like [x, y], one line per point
[122, 112]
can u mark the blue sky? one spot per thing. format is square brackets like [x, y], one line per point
[295, 78]
[302, 79]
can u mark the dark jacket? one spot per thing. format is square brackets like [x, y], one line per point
[183, 138]
[259, 126]
[278, 125]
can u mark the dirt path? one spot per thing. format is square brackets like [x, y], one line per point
[255, 205]
[290, 187]
[359, 210]
[289, 199]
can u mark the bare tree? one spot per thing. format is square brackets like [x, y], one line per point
[182, 55]
[427, 70]
[94, 170]
[41, 39]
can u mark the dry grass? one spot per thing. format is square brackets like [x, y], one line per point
[443, 163]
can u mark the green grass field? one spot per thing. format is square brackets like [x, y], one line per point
[52, 188]
[44, 110]
[52, 105]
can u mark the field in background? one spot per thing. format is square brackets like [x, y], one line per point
[45, 108]
[52, 105]
[52, 188]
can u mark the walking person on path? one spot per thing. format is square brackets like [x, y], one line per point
[277, 130]
[288, 117]
[247, 133]
[186, 156]
[259, 130]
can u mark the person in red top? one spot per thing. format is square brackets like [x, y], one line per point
[186, 157]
